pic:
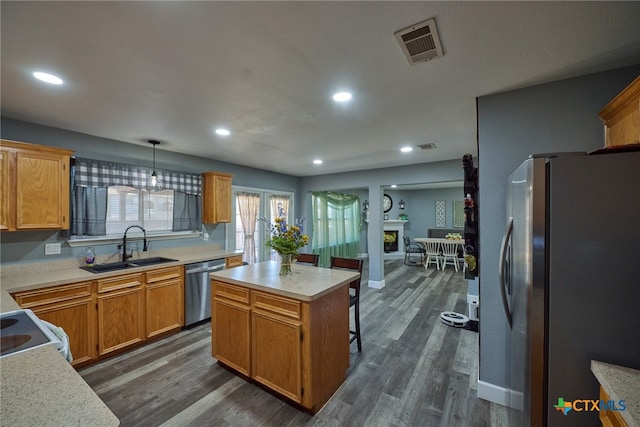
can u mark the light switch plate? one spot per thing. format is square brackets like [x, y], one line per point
[52, 248]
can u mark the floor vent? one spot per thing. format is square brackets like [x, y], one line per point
[420, 42]
[429, 146]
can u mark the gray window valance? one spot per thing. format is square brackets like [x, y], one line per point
[98, 173]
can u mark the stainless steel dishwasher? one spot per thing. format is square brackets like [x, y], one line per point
[197, 290]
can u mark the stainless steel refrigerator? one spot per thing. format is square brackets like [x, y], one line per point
[570, 280]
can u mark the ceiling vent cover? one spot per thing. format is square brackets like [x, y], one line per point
[420, 42]
[429, 146]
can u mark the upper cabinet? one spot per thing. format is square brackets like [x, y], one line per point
[216, 197]
[622, 117]
[34, 180]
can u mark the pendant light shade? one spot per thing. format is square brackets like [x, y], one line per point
[154, 181]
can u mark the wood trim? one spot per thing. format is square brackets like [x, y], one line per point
[276, 304]
[610, 418]
[160, 274]
[227, 291]
[119, 282]
[27, 146]
[233, 261]
[622, 117]
[28, 299]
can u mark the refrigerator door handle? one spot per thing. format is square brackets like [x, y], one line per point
[502, 269]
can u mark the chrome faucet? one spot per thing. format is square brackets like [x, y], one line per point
[145, 244]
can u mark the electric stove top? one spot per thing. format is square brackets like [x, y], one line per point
[21, 330]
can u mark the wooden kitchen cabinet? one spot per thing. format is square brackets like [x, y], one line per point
[216, 197]
[297, 348]
[233, 261]
[610, 418]
[164, 303]
[231, 335]
[121, 312]
[35, 187]
[5, 219]
[71, 307]
[621, 117]
[276, 339]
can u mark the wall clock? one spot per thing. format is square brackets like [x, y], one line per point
[387, 202]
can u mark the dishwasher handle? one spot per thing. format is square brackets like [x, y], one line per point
[205, 269]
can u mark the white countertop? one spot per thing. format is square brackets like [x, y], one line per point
[620, 383]
[307, 283]
[39, 387]
[23, 277]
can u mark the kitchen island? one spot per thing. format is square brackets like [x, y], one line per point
[290, 334]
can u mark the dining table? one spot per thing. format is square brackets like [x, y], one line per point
[439, 240]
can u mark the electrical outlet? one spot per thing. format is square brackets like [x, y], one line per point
[205, 236]
[52, 248]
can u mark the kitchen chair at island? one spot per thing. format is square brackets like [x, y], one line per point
[354, 298]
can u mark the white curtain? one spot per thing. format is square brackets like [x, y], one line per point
[248, 208]
[279, 204]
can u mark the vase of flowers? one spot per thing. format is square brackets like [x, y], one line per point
[286, 240]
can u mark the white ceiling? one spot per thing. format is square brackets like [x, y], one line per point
[173, 71]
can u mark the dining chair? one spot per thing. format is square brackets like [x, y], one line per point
[412, 248]
[450, 254]
[354, 298]
[432, 249]
[311, 259]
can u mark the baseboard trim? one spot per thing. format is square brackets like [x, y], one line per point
[376, 284]
[493, 393]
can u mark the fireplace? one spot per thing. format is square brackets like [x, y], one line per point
[390, 241]
[394, 244]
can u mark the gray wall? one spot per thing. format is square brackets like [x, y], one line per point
[373, 180]
[559, 116]
[28, 246]
[419, 207]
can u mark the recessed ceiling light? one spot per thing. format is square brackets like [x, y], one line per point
[406, 149]
[317, 162]
[393, 185]
[342, 96]
[223, 132]
[48, 78]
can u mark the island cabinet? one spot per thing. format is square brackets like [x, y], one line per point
[277, 338]
[231, 315]
[164, 300]
[216, 197]
[296, 344]
[120, 312]
[71, 307]
[35, 186]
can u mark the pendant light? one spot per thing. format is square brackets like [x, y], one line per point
[154, 181]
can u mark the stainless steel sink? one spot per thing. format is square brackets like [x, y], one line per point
[116, 266]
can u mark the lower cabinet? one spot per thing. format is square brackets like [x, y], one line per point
[110, 314]
[120, 312]
[277, 353]
[164, 303]
[231, 339]
[299, 349]
[71, 307]
[610, 418]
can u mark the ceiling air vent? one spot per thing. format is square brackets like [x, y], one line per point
[429, 146]
[420, 42]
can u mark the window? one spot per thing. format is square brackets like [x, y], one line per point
[128, 206]
[267, 208]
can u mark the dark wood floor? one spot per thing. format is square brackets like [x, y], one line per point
[413, 370]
